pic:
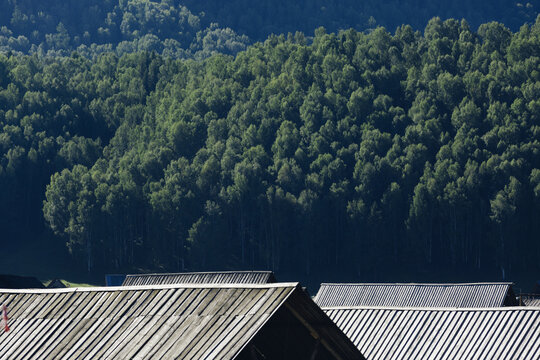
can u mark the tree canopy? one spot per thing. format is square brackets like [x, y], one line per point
[352, 153]
[201, 135]
[198, 29]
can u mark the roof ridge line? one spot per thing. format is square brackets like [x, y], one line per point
[204, 272]
[150, 287]
[432, 309]
[417, 284]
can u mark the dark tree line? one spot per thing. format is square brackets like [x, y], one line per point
[354, 153]
[197, 29]
[260, 19]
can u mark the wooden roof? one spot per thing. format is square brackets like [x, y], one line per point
[218, 277]
[427, 333]
[467, 295]
[159, 322]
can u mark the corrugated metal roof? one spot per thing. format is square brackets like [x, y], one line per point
[223, 277]
[151, 322]
[531, 302]
[469, 295]
[429, 334]
[529, 299]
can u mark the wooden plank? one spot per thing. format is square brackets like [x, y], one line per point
[63, 345]
[266, 306]
[225, 299]
[114, 348]
[132, 332]
[154, 322]
[48, 340]
[24, 346]
[14, 337]
[85, 339]
[175, 330]
[164, 327]
[139, 298]
[124, 317]
[185, 324]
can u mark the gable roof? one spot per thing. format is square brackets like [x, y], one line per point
[154, 322]
[56, 284]
[430, 334]
[218, 277]
[469, 295]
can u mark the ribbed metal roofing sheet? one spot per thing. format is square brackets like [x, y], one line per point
[223, 277]
[432, 334]
[469, 295]
[155, 322]
[530, 299]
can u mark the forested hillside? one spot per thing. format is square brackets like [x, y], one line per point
[265, 17]
[355, 153]
[197, 29]
[93, 27]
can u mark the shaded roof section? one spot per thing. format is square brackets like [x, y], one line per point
[223, 277]
[19, 282]
[56, 284]
[155, 322]
[471, 295]
[430, 334]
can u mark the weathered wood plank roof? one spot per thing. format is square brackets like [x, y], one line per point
[152, 322]
[470, 295]
[431, 334]
[222, 277]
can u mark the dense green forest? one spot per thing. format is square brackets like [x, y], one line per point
[93, 27]
[352, 153]
[197, 29]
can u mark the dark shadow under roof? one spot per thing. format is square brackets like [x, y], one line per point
[467, 295]
[218, 277]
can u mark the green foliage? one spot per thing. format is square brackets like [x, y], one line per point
[90, 27]
[198, 29]
[345, 154]
[265, 17]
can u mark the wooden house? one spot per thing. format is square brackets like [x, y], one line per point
[187, 321]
